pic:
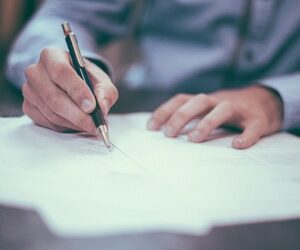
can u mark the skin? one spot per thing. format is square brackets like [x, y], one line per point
[56, 98]
[256, 110]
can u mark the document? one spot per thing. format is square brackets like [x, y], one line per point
[146, 182]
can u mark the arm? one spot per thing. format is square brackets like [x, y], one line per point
[258, 110]
[94, 22]
[54, 95]
[255, 110]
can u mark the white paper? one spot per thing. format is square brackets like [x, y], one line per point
[79, 187]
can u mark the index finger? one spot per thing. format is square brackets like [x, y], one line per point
[57, 99]
[165, 111]
[57, 64]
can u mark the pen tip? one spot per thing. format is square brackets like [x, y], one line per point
[104, 133]
[107, 142]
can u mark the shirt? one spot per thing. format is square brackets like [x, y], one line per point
[186, 45]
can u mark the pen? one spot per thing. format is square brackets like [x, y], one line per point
[79, 66]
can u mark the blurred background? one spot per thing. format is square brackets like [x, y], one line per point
[13, 15]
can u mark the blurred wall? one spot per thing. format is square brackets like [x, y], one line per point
[13, 15]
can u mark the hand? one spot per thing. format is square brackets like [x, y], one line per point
[57, 98]
[256, 110]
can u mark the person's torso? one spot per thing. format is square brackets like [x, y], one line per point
[204, 45]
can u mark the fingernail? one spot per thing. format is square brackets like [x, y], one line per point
[86, 105]
[195, 135]
[168, 130]
[239, 143]
[152, 125]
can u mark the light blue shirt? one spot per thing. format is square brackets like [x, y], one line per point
[186, 45]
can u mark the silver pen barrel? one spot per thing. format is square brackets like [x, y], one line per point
[105, 136]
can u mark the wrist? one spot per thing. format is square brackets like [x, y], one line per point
[273, 102]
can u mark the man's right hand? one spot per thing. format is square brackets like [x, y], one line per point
[57, 98]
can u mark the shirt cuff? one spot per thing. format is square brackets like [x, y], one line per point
[288, 87]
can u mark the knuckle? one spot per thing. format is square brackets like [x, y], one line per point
[202, 95]
[30, 72]
[203, 98]
[228, 108]
[227, 105]
[45, 54]
[181, 97]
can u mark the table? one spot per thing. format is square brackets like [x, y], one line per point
[23, 229]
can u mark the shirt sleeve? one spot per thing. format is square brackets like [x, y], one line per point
[288, 87]
[95, 23]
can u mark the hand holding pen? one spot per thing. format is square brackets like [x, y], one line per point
[57, 98]
[79, 66]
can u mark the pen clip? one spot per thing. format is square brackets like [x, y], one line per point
[70, 34]
[76, 49]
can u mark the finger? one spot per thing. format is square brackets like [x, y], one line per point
[251, 134]
[57, 100]
[35, 100]
[34, 114]
[221, 114]
[198, 105]
[105, 91]
[164, 112]
[60, 71]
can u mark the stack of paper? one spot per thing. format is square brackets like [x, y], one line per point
[147, 182]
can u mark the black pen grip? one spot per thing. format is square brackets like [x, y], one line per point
[97, 114]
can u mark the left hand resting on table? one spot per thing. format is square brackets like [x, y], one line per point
[257, 110]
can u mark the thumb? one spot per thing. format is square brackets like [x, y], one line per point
[106, 94]
[105, 91]
[251, 134]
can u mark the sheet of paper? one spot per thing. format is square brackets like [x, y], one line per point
[79, 187]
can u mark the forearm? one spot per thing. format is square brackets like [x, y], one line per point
[88, 20]
[288, 87]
